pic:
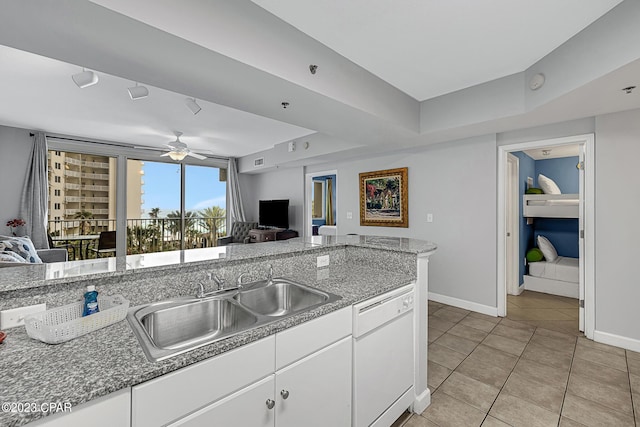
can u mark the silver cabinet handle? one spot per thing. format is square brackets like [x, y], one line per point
[270, 403]
[284, 394]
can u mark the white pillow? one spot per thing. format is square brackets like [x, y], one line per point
[548, 185]
[20, 246]
[11, 257]
[547, 249]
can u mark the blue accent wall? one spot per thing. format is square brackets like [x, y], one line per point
[527, 168]
[333, 199]
[563, 171]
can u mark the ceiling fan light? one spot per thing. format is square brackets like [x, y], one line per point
[177, 155]
[192, 105]
[138, 92]
[85, 79]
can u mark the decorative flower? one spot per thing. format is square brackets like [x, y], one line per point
[15, 223]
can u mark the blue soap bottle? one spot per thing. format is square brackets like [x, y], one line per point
[90, 301]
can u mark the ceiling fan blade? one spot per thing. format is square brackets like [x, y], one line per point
[165, 154]
[196, 155]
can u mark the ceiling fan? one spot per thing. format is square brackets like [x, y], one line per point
[178, 150]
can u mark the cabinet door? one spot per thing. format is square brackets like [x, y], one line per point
[247, 407]
[317, 389]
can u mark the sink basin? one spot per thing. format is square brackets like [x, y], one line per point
[168, 328]
[179, 325]
[281, 298]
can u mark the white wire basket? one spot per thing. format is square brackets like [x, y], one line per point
[65, 323]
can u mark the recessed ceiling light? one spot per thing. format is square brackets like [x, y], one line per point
[628, 89]
[546, 152]
[285, 104]
[85, 79]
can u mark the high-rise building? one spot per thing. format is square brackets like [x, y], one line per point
[83, 186]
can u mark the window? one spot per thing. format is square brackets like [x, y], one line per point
[154, 217]
[85, 204]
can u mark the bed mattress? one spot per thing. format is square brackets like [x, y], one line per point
[563, 268]
[559, 202]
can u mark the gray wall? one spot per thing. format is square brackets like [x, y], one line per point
[456, 183]
[15, 148]
[617, 236]
[280, 184]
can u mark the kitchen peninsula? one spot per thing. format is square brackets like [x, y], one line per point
[109, 365]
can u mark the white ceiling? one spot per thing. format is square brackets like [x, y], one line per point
[427, 48]
[38, 93]
[239, 55]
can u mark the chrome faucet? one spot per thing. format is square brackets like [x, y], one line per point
[270, 275]
[219, 281]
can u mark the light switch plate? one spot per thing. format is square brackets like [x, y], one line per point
[429, 217]
[349, 215]
[15, 316]
[323, 261]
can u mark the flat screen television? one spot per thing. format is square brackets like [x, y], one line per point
[274, 213]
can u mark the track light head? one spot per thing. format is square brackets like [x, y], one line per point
[192, 105]
[85, 79]
[138, 92]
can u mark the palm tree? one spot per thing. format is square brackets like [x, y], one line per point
[190, 220]
[211, 218]
[83, 216]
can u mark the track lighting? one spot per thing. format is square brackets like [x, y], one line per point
[138, 92]
[192, 105]
[85, 79]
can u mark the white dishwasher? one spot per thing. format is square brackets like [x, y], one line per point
[383, 357]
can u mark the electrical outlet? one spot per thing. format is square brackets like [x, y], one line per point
[349, 215]
[429, 217]
[15, 316]
[323, 261]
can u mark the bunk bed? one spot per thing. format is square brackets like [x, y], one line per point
[558, 277]
[551, 205]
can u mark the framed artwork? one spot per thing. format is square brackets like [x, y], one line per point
[384, 198]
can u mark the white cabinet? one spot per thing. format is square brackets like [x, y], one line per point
[252, 406]
[316, 391]
[244, 387]
[107, 411]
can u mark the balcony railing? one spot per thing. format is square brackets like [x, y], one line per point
[147, 235]
[77, 199]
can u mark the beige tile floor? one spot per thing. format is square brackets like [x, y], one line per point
[532, 368]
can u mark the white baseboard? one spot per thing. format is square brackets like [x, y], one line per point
[617, 340]
[467, 305]
[422, 402]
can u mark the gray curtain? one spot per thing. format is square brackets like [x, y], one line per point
[35, 193]
[235, 210]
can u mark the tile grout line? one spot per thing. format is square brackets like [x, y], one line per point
[633, 407]
[566, 389]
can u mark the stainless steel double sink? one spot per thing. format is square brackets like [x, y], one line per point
[168, 328]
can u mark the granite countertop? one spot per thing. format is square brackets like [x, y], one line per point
[112, 359]
[47, 274]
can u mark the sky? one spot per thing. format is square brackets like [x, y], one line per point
[162, 187]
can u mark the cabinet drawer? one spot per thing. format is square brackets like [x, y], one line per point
[167, 398]
[302, 340]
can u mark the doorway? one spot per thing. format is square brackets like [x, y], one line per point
[585, 220]
[321, 203]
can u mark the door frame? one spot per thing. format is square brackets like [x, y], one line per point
[588, 141]
[513, 213]
[308, 221]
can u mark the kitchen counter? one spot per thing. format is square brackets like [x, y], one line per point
[111, 359]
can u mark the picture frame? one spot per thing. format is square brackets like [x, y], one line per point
[384, 198]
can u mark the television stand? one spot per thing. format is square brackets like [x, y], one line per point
[258, 235]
